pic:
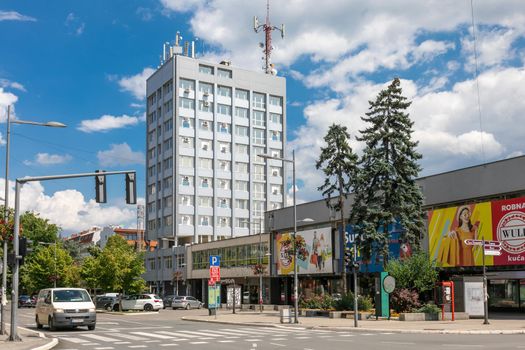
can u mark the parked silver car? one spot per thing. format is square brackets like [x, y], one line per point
[185, 302]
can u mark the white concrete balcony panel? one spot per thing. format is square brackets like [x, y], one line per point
[224, 156]
[185, 230]
[186, 171]
[224, 193]
[222, 118]
[242, 158]
[222, 173]
[240, 232]
[224, 100]
[241, 121]
[223, 212]
[205, 172]
[242, 103]
[275, 109]
[186, 112]
[202, 115]
[203, 134]
[275, 197]
[275, 126]
[242, 139]
[190, 132]
[276, 180]
[242, 194]
[187, 93]
[243, 214]
[190, 190]
[221, 136]
[205, 154]
[275, 144]
[205, 211]
[186, 209]
[242, 176]
[205, 191]
[223, 231]
[204, 230]
[190, 152]
[205, 96]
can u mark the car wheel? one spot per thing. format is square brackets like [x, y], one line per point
[115, 307]
[148, 307]
[51, 324]
[91, 328]
[200, 306]
[187, 306]
[38, 324]
[107, 307]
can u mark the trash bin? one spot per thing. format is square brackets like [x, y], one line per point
[285, 315]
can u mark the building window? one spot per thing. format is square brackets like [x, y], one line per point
[224, 109]
[259, 100]
[276, 118]
[224, 91]
[206, 88]
[241, 94]
[225, 73]
[205, 125]
[224, 184]
[168, 262]
[205, 163]
[186, 85]
[167, 220]
[186, 200]
[276, 101]
[259, 207]
[206, 145]
[204, 220]
[241, 131]
[258, 136]
[224, 203]
[241, 185]
[256, 151]
[205, 106]
[258, 172]
[241, 204]
[186, 162]
[276, 190]
[187, 103]
[205, 202]
[241, 167]
[206, 182]
[224, 222]
[168, 106]
[186, 123]
[168, 125]
[276, 136]
[186, 142]
[168, 144]
[168, 87]
[224, 147]
[168, 163]
[151, 264]
[241, 149]
[259, 118]
[224, 128]
[241, 112]
[258, 190]
[168, 201]
[186, 181]
[225, 165]
[243, 223]
[205, 69]
[166, 183]
[186, 220]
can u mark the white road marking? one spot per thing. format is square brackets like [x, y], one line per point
[99, 337]
[201, 333]
[198, 342]
[127, 336]
[277, 344]
[151, 341]
[176, 334]
[397, 342]
[74, 340]
[105, 348]
[226, 341]
[122, 342]
[252, 339]
[90, 344]
[137, 346]
[152, 335]
[346, 335]
[169, 344]
[464, 345]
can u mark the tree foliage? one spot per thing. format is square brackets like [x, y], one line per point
[39, 270]
[417, 272]
[116, 268]
[38, 229]
[385, 189]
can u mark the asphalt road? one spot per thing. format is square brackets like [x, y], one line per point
[165, 329]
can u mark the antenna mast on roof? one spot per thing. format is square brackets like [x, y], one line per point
[267, 46]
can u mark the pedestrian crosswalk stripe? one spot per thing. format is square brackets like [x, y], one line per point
[226, 341]
[99, 337]
[230, 332]
[74, 340]
[127, 336]
[225, 334]
[169, 344]
[152, 335]
[198, 342]
[177, 334]
[200, 333]
[138, 346]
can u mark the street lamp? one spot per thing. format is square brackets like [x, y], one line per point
[295, 279]
[51, 124]
[56, 272]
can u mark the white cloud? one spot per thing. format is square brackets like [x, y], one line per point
[49, 159]
[429, 49]
[107, 123]
[136, 84]
[70, 210]
[12, 84]
[182, 5]
[6, 99]
[144, 13]
[120, 154]
[74, 24]
[2, 141]
[15, 16]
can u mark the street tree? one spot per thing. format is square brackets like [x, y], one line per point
[385, 189]
[45, 265]
[38, 229]
[116, 268]
[338, 162]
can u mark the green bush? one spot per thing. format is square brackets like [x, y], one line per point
[364, 303]
[322, 302]
[404, 300]
[429, 309]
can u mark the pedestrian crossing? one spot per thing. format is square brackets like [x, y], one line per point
[134, 339]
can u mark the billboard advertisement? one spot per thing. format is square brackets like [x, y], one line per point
[314, 252]
[502, 221]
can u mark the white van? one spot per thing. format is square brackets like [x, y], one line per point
[65, 307]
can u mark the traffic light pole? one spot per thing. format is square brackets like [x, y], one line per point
[13, 336]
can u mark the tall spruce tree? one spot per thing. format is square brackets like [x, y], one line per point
[385, 189]
[338, 162]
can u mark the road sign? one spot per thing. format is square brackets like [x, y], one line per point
[215, 273]
[215, 260]
[493, 252]
[389, 284]
[480, 242]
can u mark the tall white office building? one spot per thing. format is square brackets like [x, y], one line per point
[206, 125]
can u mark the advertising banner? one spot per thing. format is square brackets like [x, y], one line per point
[314, 252]
[502, 221]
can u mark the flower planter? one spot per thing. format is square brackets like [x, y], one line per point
[418, 316]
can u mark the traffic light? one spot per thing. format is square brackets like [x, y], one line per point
[131, 188]
[348, 256]
[24, 248]
[100, 187]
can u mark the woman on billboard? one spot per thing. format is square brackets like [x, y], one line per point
[465, 230]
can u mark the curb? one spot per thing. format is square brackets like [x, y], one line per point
[370, 330]
[51, 344]
[127, 313]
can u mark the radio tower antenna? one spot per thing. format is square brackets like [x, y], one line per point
[267, 46]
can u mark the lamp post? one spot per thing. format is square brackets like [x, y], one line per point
[51, 124]
[295, 278]
[56, 272]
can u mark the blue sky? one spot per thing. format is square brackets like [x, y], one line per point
[84, 63]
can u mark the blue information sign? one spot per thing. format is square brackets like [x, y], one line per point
[215, 260]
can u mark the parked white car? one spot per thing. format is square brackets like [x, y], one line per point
[146, 302]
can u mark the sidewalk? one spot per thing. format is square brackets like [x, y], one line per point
[30, 340]
[272, 319]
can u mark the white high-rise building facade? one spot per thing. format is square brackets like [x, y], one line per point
[206, 125]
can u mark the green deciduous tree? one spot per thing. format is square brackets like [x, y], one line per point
[39, 270]
[116, 268]
[338, 162]
[38, 229]
[417, 272]
[385, 190]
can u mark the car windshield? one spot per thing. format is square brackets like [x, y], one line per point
[70, 295]
[178, 298]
